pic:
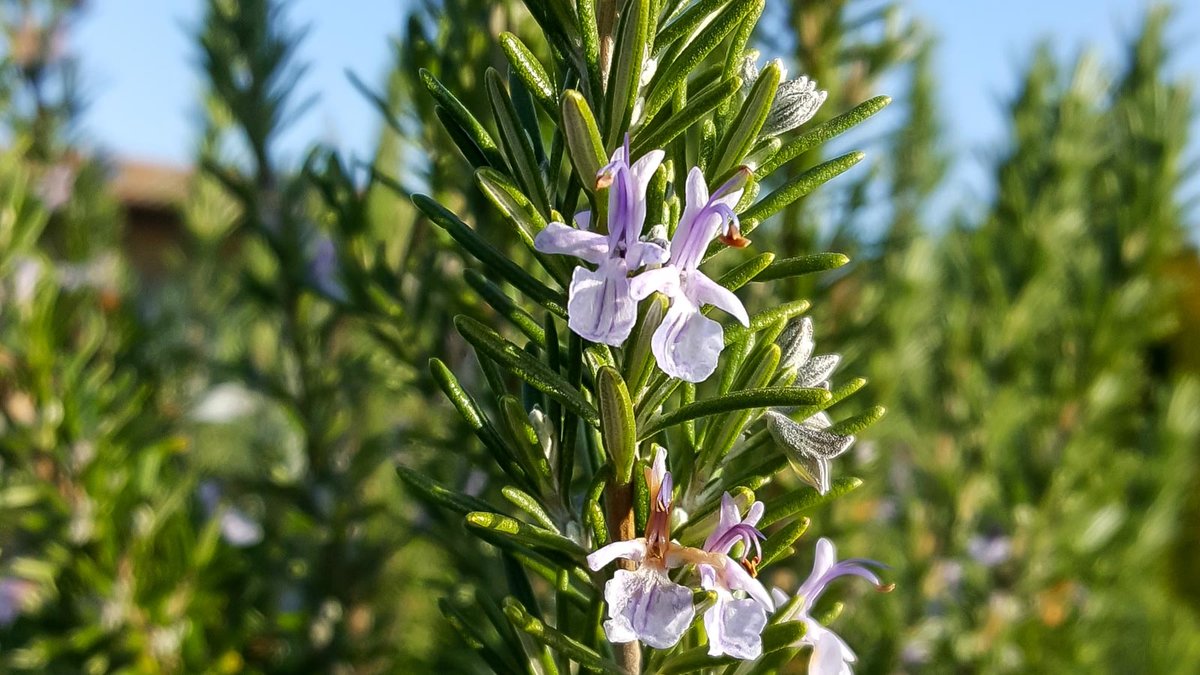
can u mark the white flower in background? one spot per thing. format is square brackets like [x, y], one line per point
[989, 551]
[224, 403]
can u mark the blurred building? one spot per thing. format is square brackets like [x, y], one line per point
[152, 197]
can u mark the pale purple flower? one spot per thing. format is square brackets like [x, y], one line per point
[645, 604]
[830, 654]
[989, 551]
[599, 306]
[687, 344]
[734, 625]
[16, 595]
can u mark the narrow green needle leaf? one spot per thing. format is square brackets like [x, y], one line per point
[804, 498]
[517, 145]
[767, 397]
[823, 132]
[530, 70]
[466, 121]
[800, 186]
[805, 264]
[780, 544]
[524, 533]
[855, 425]
[531, 370]
[742, 134]
[444, 497]
[668, 79]
[661, 131]
[747, 271]
[765, 319]
[552, 638]
[483, 251]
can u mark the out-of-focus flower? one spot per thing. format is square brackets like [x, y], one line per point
[599, 306]
[734, 625]
[56, 186]
[687, 344]
[237, 527]
[16, 594]
[224, 403]
[989, 551]
[830, 654]
[324, 271]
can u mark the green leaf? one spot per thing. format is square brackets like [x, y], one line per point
[742, 134]
[800, 186]
[530, 70]
[669, 79]
[517, 144]
[475, 418]
[767, 397]
[469, 631]
[686, 22]
[747, 271]
[626, 72]
[505, 307]
[765, 319]
[805, 264]
[780, 544]
[463, 140]
[584, 144]
[497, 261]
[856, 424]
[569, 647]
[728, 428]
[512, 202]
[463, 118]
[436, 494]
[805, 498]
[531, 370]
[663, 130]
[616, 422]
[527, 503]
[524, 533]
[823, 132]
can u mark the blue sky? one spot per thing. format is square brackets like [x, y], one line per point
[142, 81]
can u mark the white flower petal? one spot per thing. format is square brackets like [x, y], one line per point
[687, 344]
[704, 291]
[735, 628]
[647, 606]
[600, 308]
[632, 549]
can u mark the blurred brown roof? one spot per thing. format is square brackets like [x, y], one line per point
[147, 185]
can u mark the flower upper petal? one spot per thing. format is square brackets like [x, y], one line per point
[663, 279]
[737, 578]
[646, 605]
[565, 240]
[600, 308]
[704, 291]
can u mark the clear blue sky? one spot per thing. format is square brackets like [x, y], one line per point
[139, 65]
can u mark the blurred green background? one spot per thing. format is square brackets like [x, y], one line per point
[209, 369]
